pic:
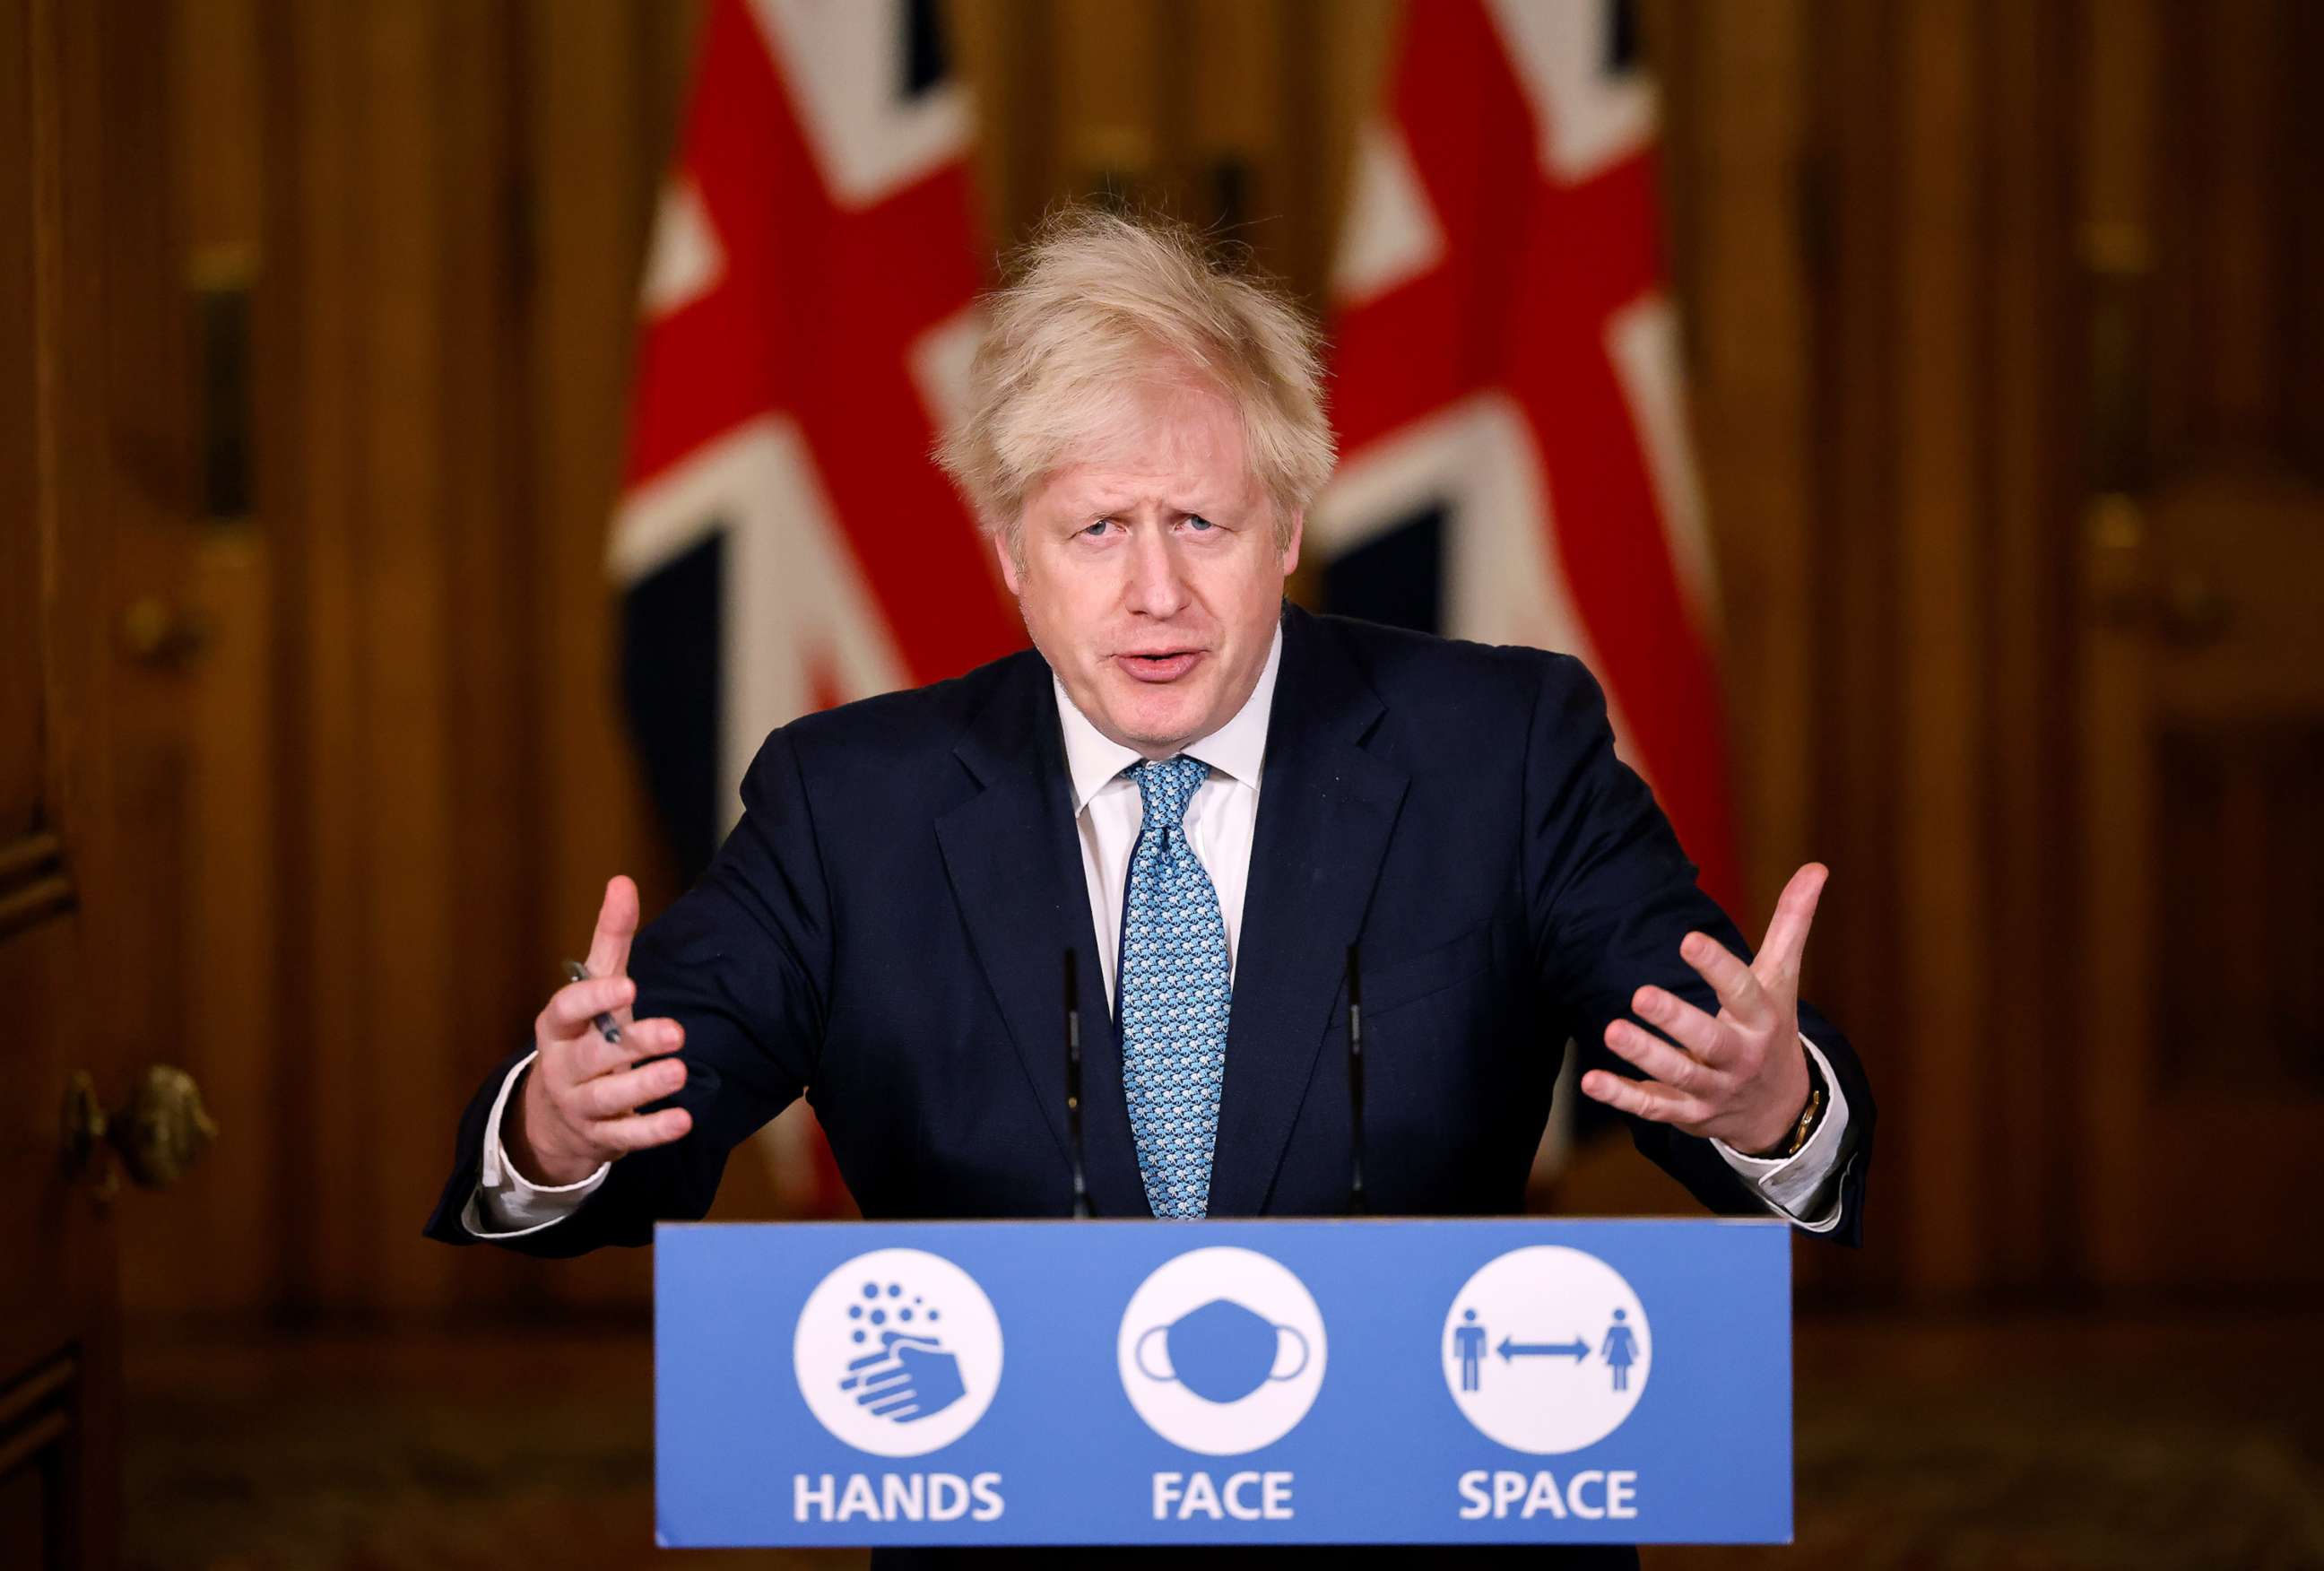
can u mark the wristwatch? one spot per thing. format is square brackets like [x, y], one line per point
[1810, 1116]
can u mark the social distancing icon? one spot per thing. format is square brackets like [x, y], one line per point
[1546, 1349]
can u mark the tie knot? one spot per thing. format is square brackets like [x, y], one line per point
[1167, 785]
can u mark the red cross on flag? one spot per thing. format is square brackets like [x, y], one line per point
[783, 540]
[1515, 464]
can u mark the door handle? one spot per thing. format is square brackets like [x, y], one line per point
[159, 634]
[2126, 588]
[156, 1136]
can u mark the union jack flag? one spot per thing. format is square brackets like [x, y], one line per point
[783, 540]
[1515, 464]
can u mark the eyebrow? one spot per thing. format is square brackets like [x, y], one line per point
[1098, 506]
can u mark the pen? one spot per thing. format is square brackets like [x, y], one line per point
[577, 972]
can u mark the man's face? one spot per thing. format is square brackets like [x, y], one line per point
[1151, 581]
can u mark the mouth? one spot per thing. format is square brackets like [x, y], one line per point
[1159, 666]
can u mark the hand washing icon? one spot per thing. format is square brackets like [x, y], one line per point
[1222, 1351]
[896, 1352]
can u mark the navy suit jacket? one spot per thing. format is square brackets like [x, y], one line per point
[883, 932]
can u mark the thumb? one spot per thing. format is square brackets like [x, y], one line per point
[617, 924]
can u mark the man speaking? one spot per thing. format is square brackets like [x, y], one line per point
[1205, 796]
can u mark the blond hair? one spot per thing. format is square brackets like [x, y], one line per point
[1098, 303]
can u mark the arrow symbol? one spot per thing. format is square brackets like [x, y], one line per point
[1576, 1350]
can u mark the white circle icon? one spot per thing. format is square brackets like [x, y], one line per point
[1547, 1350]
[898, 1353]
[1222, 1351]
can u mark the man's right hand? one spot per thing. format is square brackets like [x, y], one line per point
[577, 1111]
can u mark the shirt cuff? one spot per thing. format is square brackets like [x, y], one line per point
[506, 1204]
[1790, 1186]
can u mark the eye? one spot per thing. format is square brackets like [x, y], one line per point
[1100, 527]
[1195, 520]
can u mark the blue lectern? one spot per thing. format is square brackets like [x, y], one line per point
[1101, 1382]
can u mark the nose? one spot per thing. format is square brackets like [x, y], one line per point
[1158, 586]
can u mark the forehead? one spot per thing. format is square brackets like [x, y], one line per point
[1178, 440]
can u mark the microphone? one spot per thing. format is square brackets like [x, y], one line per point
[1073, 1080]
[1357, 1206]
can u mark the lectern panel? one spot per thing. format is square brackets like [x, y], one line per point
[1096, 1383]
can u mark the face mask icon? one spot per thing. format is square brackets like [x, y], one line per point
[1222, 1352]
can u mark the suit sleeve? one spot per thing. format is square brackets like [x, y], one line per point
[1611, 894]
[743, 961]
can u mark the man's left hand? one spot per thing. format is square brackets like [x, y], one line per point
[1743, 1077]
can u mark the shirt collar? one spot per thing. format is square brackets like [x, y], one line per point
[1235, 749]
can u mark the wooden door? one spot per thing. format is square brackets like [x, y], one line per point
[2202, 672]
[93, 535]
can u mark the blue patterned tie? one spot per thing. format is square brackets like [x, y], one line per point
[1174, 989]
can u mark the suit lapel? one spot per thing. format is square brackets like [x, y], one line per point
[1015, 865]
[1325, 811]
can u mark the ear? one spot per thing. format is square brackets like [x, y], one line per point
[1007, 558]
[1291, 549]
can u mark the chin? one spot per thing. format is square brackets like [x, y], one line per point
[1154, 719]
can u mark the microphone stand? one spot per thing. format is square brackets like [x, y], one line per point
[1073, 1080]
[1356, 1204]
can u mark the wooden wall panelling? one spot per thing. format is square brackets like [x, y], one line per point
[1736, 99]
[2203, 705]
[1108, 84]
[209, 1249]
[1000, 47]
[605, 87]
[1945, 910]
[24, 721]
[488, 908]
[308, 425]
[88, 977]
[1340, 59]
[1852, 249]
[1225, 94]
[1937, 246]
[368, 565]
[2023, 1060]
[58, 1343]
[130, 366]
[393, 1090]
[2226, 132]
[2301, 395]
[1160, 98]
[2239, 357]
[2115, 144]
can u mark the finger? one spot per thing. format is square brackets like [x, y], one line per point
[1691, 1028]
[1644, 1099]
[617, 924]
[1677, 1070]
[641, 1039]
[573, 1006]
[1787, 929]
[620, 1094]
[642, 1130]
[900, 1405]
[1739, 990]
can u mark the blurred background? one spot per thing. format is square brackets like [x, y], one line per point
[420, 475]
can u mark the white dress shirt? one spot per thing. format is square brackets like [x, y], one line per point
[1109, 812]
